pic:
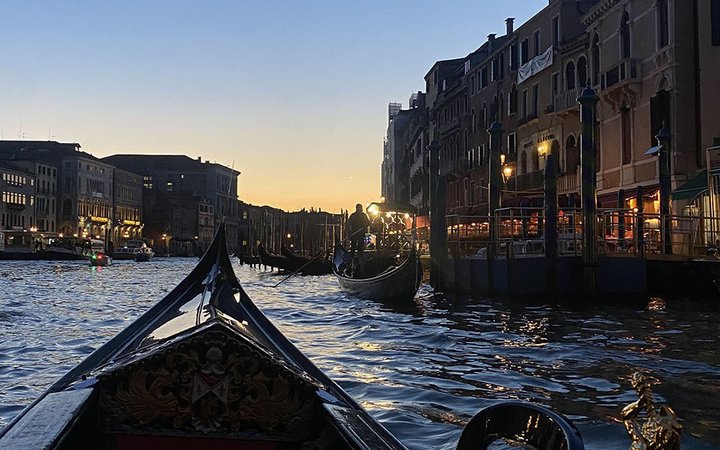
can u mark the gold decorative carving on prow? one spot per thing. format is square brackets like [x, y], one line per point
[650, 427]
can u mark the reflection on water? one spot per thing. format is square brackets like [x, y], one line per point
[423, 368]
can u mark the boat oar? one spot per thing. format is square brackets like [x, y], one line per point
[301, 268]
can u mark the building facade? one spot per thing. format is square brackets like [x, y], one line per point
[17, 205]
[45, 193]
[651, 62]
[127, 220]
[188, 183]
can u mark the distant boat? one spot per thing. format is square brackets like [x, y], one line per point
[130, 249]
[306, 265]
[271, 259]
[100, 259]
[145, 254]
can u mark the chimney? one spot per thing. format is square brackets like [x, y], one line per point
[491, 41]
[199, 160]
[510, 24]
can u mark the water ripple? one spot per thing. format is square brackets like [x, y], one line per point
[423, 369]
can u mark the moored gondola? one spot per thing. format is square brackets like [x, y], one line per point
[272, 260]
[306, 265]
[378, 275]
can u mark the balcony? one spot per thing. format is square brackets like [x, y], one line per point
[567, 100]
[569, 183]
[15, 206]
[530, 181]
[622, 74]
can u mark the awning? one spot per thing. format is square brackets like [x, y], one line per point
[696, 185]
[652, 150]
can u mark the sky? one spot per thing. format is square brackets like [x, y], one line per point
[293, 94]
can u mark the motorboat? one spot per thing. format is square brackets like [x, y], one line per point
[100, 259]
[130, 249]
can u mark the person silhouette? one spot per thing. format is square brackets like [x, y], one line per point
[357, 225]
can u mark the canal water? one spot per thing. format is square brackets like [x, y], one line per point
[422, 369]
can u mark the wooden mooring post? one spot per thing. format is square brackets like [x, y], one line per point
[551, 224]
[588, 101]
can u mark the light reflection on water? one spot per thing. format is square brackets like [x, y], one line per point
[422, 369]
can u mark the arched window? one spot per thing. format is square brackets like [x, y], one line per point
[596, 59]
[512, 100]
[570, 76]
[501, 107]
[572, 155]
[663, 33]
[483, 117]
[625, 35]
[582, 72]
[555, 151]
[473, 124]
[494, 112]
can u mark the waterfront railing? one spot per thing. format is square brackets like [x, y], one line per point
[520, 232]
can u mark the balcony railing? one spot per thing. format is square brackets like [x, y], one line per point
[628, 70]
[520, 233]
[528, 181]
[569, 183]
[566, 100]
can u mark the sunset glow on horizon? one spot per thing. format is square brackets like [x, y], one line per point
[293, 95]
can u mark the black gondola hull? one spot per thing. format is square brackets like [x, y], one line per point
[397, 283]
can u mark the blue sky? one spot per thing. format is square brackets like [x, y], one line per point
[293, 93]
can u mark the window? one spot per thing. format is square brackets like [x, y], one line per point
[513, 57]
[663, 34]
[535, 99]
[625, 35]
[501, 65]
[659, 113]
[500, 106]
[556, 31]
[582, 79]
[483, 77]
[524, 56]
[472, 85]
[536, 42]
[512, 100]
[596, 59]
[570, 76]
[525, 104]
[473, 123]
[715, 22]
[511, 143]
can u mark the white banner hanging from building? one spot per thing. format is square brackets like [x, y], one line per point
[535, 65]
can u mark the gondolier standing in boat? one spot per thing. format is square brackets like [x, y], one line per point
[357, 225]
